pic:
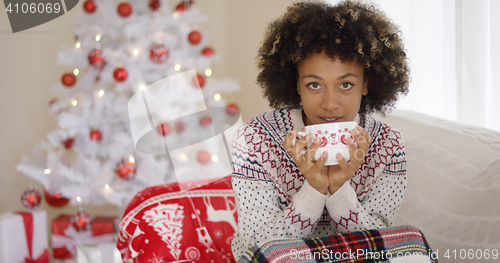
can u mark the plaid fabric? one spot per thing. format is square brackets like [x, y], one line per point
[363, 246]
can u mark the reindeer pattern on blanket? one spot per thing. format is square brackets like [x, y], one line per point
[191, 225]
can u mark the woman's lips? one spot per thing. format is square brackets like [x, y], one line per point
[331, 119]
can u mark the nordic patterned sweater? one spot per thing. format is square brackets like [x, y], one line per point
[274, 200]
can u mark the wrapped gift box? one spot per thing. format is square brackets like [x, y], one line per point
[23, 237]
[65, 238]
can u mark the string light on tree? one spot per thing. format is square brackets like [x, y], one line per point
[183, 157]
[74, 103]
[177, 67]
[47, 171]
[217, 97]
[97, 38]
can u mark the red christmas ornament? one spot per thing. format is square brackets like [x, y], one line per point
[163, 129]
[68, 143]
[199, 81]
[126, 169]
[180, 126]
[232, 109]
[96, 59]
[154, 4]
[31, 198]
[120, 74]
[52, 102]
[95, 135]
[183, 6]
[194, 37]
[124, 9]
[203, 157]
[207, 52]
[55, 198]
[205, 121]
[158, 53]
[89, 6]
[68, 79]
[81, 221]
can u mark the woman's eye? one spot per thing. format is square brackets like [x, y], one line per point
[313, 85]
[346, 86]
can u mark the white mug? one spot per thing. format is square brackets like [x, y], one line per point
[333, 138]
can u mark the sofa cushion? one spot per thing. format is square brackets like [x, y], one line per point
[453, 173]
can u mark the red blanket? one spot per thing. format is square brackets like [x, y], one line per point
[164, 224]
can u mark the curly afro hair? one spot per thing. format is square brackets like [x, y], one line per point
[350, 31]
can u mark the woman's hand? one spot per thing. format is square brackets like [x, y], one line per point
[314, 171]
[339, 174]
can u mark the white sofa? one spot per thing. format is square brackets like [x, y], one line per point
[453, 192]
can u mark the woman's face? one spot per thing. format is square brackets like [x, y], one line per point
[329, 89]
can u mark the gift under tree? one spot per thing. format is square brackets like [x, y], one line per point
[120, 49]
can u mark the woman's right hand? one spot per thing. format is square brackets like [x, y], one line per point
[315, 172]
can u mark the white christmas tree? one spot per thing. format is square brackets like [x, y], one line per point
[121, 49]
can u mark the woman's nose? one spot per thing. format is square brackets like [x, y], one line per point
[330, 100]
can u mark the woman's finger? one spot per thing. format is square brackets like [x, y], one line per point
[344, 165]
[316, 167]
[311, 151]
[298, 148]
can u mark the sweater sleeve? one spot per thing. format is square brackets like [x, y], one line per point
[377, 208]
[261, 213]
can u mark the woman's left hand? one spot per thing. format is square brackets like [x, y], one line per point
[341, 173]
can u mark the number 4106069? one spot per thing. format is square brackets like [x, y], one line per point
[33, 8]
[471, 254]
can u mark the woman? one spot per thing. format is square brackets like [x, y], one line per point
[322, 64]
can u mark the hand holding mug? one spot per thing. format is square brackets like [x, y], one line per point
[340, 146]
[315, 172]
[339, 174]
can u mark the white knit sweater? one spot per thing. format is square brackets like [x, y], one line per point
[274, 200]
